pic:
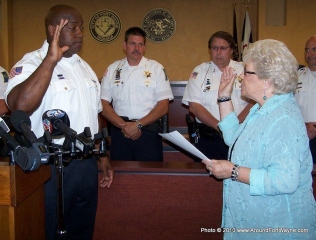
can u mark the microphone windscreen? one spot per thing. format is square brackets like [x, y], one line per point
[52, 118]
[17, 117]
[28, 159]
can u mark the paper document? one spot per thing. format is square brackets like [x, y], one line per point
[176, 138]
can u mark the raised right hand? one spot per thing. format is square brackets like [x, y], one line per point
[55, 52]
[227, 81]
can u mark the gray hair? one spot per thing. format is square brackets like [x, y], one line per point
[272, 60]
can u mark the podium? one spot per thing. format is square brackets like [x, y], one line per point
[22, 211]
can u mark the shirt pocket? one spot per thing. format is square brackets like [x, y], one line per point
[65, 95]
[146, 89]
[117, 90]
[301, 95]
[209, 96]
[93, 94]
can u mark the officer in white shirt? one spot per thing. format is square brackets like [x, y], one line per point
[139, 91]
[201, 95]
[55, 77]
[305, 93]
[4, 77]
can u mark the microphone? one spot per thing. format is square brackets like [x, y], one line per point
[56, 121]
[28, 159]
[21, 122]
[102, 135]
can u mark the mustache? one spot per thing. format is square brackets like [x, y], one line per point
[311, 58]
[136, 51]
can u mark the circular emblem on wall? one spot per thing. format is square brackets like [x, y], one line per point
[159, 25]
[105, 26]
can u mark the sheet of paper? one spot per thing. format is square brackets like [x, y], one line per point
[176, 138]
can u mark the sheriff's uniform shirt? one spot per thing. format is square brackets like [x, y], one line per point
[305, 94]
[74, 88]
[203, 85]
[135, 90]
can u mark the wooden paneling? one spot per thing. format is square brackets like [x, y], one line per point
[22, 214]
[161, 201]
[5, 184]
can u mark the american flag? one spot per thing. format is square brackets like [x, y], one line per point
[246, 33]
[15, 71]
[193, 75]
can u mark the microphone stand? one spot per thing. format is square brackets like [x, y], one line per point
[69, 143]
[69, 146]
[58, 163]
[61, 226]
[61, 232]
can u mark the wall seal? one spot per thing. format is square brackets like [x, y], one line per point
[159, 25]
[105, 26]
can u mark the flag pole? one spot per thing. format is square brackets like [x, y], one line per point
[246, 1]
[236, 51]
[246, 33]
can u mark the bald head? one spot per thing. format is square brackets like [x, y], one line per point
[312, 38]
[71, 33]
[310, 53]
[58, 12]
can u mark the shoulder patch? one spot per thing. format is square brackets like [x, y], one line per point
[15, 71]
[193, 75]
[5, 76]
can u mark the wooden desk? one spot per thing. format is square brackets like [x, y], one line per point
[171, 200]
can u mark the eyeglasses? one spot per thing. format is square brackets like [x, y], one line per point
[248, 72]
[222, 48]
[307, 50]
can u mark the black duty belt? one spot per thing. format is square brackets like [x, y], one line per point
[154, 127]
[208, 132]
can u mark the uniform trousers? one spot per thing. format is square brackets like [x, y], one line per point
[146, 148]
[80, 199]
[213, 148]
[312, 145]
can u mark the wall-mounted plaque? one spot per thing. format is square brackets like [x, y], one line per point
[105, 26]
[159, 25]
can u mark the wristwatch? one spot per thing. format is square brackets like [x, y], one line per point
[139, 125]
